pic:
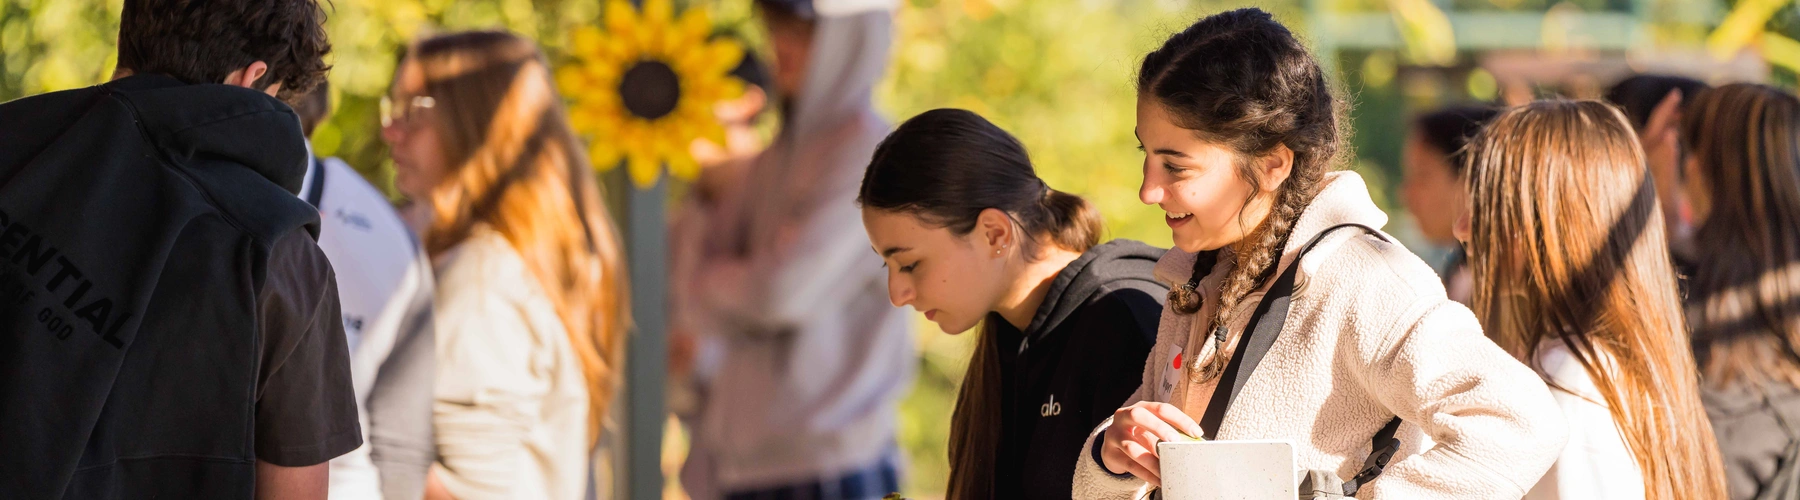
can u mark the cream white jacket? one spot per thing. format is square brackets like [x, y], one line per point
[1369, 335]
[511, 406]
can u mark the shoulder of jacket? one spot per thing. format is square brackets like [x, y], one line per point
[1377, 283]
[1363, 261]
[486, 264]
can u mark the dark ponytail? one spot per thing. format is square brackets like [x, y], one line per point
[1244, 81]
[945, 166]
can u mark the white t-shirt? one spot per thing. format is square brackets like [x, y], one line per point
[1596, 464]
[379, 273]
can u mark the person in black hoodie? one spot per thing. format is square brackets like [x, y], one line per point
[970, 234]
[168, 327]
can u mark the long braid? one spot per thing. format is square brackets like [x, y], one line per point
[1242, 80]
[1255, 263]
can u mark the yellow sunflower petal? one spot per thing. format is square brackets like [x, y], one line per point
[583, 123]
[611, 49]
[603, 73]
[684, 167]
[694, 24]
[646, 41]
[713, 132]
[695, 111]
[603, 122]
[587, 41]
[673, 43]
[675, 143]
[620, 18]
[603, 155]
[643, 170]
[710, 58]
[658, 12]
[726, 54]
[573, 81]
[719, 88]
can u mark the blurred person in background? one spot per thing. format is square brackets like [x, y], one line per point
[805, 397]
[695, 358]
[385, 291]
[1653, 103]
[971, 235]
[1572, 276]
[1743, 303]
[1433, 190]
[171, 326]
[532, 299]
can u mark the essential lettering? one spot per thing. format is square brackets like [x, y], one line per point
[32, 254]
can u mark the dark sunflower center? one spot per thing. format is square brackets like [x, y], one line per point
[650, 90]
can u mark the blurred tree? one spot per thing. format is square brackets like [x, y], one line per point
[56, 44]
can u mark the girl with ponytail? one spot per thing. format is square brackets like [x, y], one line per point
[1241, 136]
[972, 237]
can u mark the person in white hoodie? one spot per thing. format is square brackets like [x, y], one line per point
[1240, 132]
[804, 398]
[385, 287]
[1572, 275]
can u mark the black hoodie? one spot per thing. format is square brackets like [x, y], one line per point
[165, 317]
[1079, 359]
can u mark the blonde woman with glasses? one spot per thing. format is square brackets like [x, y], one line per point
[531, 295]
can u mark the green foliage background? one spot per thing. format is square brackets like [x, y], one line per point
[1058, 74]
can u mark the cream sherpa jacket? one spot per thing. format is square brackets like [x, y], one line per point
[1369, 335]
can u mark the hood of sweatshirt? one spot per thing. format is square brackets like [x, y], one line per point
[1110, 266]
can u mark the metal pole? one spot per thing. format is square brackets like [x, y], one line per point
[646, 364]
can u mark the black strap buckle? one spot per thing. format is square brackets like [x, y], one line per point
[1385, 447]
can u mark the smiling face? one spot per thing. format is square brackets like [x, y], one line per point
[954, 279]
[1198, 185]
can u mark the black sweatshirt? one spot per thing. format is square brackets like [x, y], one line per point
[166, 319]
[1079, 359]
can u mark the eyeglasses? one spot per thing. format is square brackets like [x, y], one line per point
[402, 115]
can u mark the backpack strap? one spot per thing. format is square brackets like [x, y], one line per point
[315, 193]
[1256, 340]
[1259, 335]
[1381, 450]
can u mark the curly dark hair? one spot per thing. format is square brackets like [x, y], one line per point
[1242, 80]
[203, 41]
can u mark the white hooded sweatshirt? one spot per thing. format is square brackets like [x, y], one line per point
[812, 358]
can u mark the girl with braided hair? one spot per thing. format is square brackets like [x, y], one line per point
[1241, 136]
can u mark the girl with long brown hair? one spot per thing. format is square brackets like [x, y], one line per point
[1743, 182]
[1241, 137]
[532, 298]
[1572, 276]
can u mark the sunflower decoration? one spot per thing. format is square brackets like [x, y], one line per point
[644, 88]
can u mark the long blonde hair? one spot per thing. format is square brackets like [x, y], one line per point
[1567, 245]
[515, 166]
